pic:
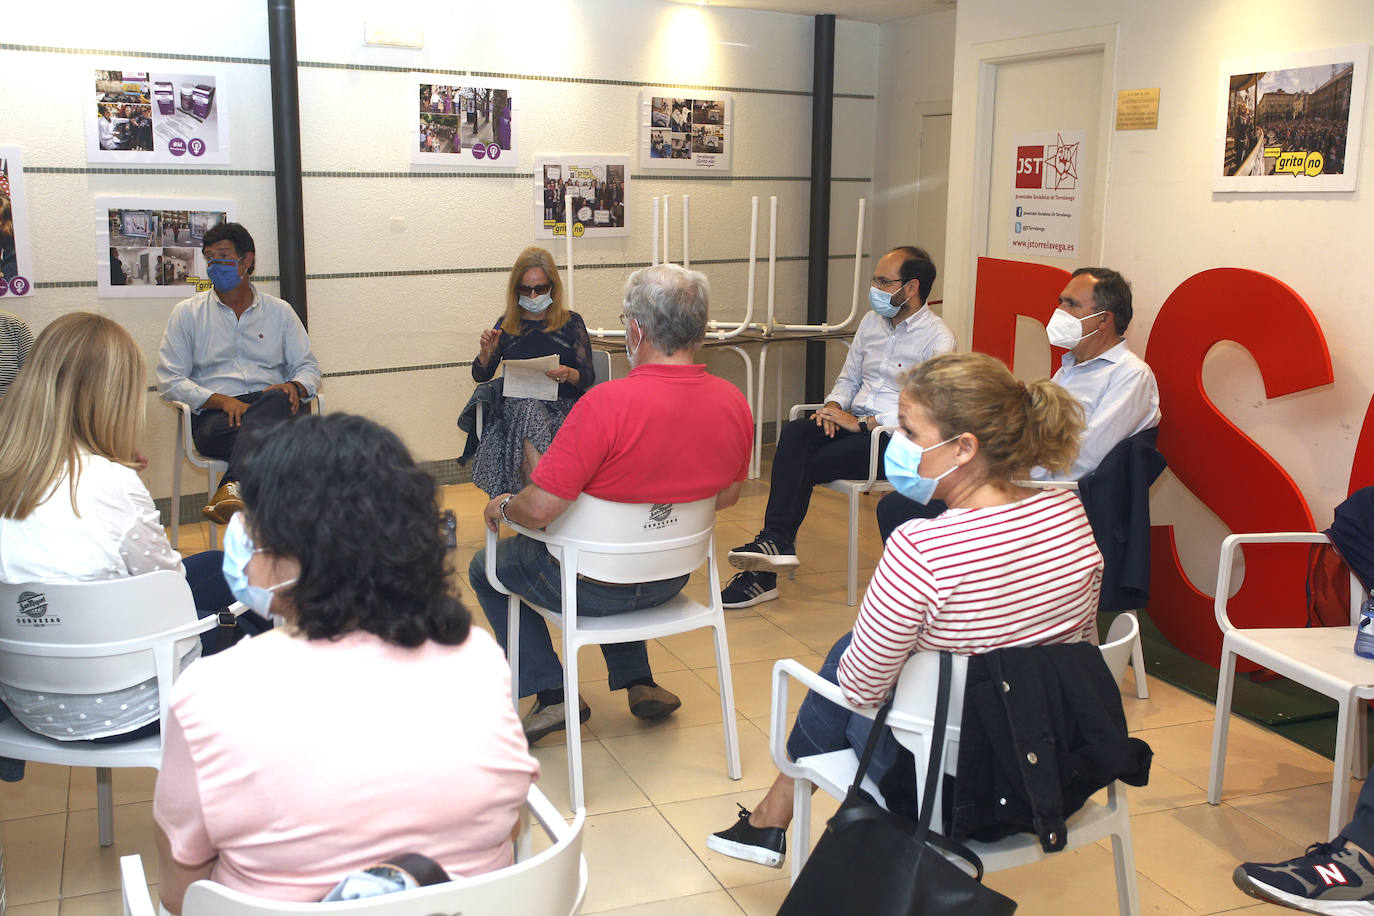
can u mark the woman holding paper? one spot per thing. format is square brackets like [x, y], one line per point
[536, 323]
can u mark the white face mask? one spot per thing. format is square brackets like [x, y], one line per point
[1066, 331]
[538, 305]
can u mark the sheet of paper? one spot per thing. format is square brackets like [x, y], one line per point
[525, 378]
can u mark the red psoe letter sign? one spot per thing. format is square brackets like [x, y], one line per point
[1220, 464]
[1006, 289]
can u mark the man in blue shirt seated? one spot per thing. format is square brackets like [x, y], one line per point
[238, 356]
[1116, 388]
[898, 333]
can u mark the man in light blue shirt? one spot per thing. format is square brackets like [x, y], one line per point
[897, 334]
[238, 356]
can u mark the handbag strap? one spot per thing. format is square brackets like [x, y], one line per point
[870, 746]
[934, 765]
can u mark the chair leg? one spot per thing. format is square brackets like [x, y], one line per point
[572, 710]
[1142, 690]
[727, 703]
[513, 647]
[214, 485]
[1127, 889]
[1360, 768]
[177, 460]
[801, 825]
[104, 804]
[1226, 681]
[852, 584]
[1340, 781]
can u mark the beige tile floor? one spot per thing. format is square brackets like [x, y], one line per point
[655, 790]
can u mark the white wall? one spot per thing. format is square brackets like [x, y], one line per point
[581, 67]
[1163, 223]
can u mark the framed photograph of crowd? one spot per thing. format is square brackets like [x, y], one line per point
[1291, 122]
[469, 125]
[599, 185]
[150, 247]
[685, 130]
[143, 116]
[16, 261]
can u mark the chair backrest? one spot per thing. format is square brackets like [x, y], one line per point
[1116, 651]
[634, 542]
[553, 882]
[601, 362]
[84, 637]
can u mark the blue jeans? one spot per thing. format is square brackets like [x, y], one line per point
[823, 727]
[525, 566]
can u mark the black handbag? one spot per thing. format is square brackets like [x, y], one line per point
[873, 862]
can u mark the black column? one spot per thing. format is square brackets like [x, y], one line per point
[818, 248]
[286, 134]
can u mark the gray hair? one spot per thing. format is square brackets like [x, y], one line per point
[670, 303]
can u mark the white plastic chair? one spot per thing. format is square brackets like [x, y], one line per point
[1321, 658]
[626, 543]
[601, 361]
[90, 638]
[552, 883]
[1142, 689]
[911, 721]
[853, 488]
[184, 449]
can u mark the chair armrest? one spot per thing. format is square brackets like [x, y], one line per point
[799, 409]
[1228, 558]
[134, 884]
[875, 449]
[777, 730]
[183, 425]
[318, 398]
[1048, 484]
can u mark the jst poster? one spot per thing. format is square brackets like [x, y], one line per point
[1047, 195]
[16, 261]
[144, 116]
[599, 186]
[464, 126]
[693, 133]
[1290, 122]
[150, 247]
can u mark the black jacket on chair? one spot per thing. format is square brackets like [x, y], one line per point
[1116, 498]
[488, 394]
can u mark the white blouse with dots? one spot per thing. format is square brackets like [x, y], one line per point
[114, 532]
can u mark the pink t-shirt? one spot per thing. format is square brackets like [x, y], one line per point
[297, 761]
[665, 433]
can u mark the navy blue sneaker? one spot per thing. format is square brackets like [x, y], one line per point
[748, 589]
[763, 553]
[1332, 878]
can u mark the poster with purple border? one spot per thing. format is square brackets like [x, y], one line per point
[16, 259]
[685, 129]
[150, 247]
[464, 122]
[139, 116]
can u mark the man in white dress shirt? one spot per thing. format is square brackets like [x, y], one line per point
[898, 333]
[238, 356]
[1116, 388]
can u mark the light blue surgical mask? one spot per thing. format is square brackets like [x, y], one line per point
[538, 305]
[224, 274]
[902, 461]
[238, 550]
[881, 302]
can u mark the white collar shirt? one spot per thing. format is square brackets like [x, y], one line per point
[867, 385]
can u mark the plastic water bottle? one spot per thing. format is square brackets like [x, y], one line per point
[1364, 633]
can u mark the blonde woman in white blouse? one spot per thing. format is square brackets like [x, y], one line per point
[73, 509]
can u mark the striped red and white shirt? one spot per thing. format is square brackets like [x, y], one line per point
[973, 580]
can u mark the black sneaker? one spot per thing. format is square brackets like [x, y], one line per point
[763, 553]
[748, 589]
[764, 845]
[1329, 878]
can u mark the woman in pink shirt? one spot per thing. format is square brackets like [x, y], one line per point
[375, 722]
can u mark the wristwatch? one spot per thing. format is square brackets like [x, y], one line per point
[503, 508]
[864, 425]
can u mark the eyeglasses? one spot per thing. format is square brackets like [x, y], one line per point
[882, 282]
[537, 290]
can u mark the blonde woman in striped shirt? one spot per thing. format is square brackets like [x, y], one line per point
[1004, 566]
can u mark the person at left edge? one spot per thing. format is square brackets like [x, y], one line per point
[238, 356]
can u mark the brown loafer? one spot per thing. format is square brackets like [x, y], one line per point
[226, 502]
[652, 702]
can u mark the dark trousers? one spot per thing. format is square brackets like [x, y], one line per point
[1360, 830]
[822, 727]
[215, 438]
[805, 457]
[894, 508]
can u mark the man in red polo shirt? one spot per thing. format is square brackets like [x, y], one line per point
[667, 433]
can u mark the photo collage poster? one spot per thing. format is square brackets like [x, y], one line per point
[1291, 122]
[151, 247]
[599, 185]
[144, 117]
[685, 133]
[16, 261]
[473, 124]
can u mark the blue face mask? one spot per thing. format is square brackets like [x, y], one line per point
[881, 302]
[238, 550]
[902, 461]
[224, 274]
